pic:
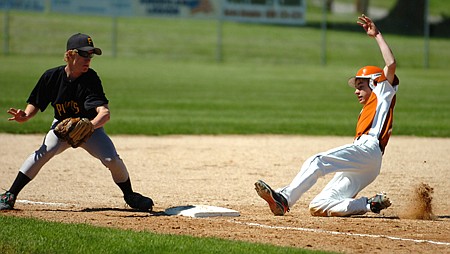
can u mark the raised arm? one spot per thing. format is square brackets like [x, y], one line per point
[389, 59]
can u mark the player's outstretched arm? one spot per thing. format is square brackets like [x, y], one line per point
[389, 59]
[21, 116]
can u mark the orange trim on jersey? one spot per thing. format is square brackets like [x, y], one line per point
[387, 128]
[367, 116]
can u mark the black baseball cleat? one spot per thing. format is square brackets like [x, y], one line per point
[379, 202]
[7, 201]
[139, 202]
[277, 203]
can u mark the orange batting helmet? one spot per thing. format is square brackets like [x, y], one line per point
[373, 73]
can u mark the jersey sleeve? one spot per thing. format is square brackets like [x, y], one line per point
[96, 96]
[40, 95]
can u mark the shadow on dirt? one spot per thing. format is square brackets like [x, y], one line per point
[106, 209]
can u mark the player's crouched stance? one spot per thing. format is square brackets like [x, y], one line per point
[80, 111]
[355, 165]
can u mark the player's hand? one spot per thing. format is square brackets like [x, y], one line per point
[18, 115]
[368, 25]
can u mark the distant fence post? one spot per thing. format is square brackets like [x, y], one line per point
[6, 31]
[219, 51]
[324, 33]
[48, 6]
[426, 31]
[114, 36]
[115, 14]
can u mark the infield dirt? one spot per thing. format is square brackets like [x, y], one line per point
[221, 170]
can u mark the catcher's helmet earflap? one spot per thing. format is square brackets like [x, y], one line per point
[373, 73]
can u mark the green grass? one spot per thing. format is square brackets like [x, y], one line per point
[166, 79]
[155, 97]
[36, 236]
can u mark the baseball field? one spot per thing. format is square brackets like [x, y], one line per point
[180, 170]
[193, 131]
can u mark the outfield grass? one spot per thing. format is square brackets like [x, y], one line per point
[36, 236]
[166, 79]
[154, 97]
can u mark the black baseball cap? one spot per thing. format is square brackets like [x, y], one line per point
[82, 42]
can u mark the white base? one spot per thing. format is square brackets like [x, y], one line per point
[201, 211]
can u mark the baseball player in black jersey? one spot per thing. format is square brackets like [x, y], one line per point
[73, 90]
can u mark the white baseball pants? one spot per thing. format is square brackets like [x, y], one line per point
[356, 166]
[98, 145]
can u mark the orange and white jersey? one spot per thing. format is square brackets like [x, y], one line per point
[377, 115]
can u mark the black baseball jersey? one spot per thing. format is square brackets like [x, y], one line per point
[69, 98]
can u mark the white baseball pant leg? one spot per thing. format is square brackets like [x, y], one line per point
[98, 145]
[356, 166]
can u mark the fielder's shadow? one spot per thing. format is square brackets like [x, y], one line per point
[135, 213]
[106, 209]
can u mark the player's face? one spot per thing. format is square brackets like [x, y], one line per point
[82, 61]
[362, 90]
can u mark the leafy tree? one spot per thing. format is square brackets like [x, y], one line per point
[407, 17]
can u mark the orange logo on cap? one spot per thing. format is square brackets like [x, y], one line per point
[89, 41]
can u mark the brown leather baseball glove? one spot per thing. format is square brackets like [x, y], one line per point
[75, 131]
